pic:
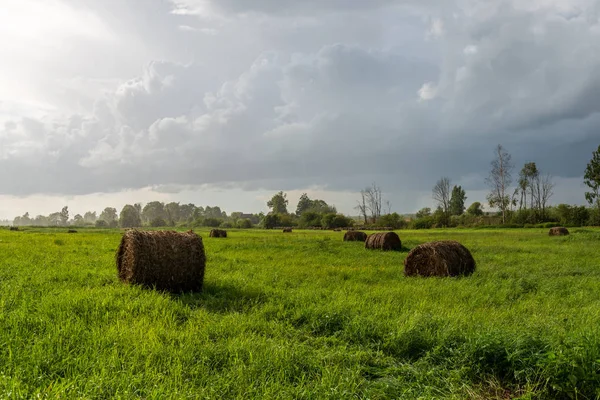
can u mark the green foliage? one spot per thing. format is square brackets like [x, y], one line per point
[475, 209]
[441, 218]
[304, 203]
[278, 203]
[457, 201]
[393, 220]
[244, 224]
[130, 217]
[270, 221]
[424, 212]
[423, 223]
[331, 221]
[226, 225]
[109, 214]
[310, 219]
[592, 179]
[158, 222]
[101, 224]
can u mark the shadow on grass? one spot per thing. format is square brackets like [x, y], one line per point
[222, 298]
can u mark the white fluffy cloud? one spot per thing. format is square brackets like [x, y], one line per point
[402, 104]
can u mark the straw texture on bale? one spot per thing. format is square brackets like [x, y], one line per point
[355, 236]
[166, 260]
[558, 231]
[218, 233]
[383, 241]
[443, 258]
[287, 230]
[14, 228]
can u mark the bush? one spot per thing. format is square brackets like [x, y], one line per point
[211, 222]
[226, 225]
[332, 221]
[158, 222]
[423, 223]
[270, 221]
[393, 220]
[310, 219]
[101, 224]
[244, 224]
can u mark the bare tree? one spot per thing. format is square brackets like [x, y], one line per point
[362, 205]
[388, 206]
[441, 193]
[374, 205]
[499, 181]
[541, 191]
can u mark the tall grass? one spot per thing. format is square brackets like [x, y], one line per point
[303, 315]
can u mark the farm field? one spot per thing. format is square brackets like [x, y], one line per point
[303, 315]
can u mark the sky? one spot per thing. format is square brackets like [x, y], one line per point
[225, 102]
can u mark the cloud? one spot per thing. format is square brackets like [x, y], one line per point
[337, 114]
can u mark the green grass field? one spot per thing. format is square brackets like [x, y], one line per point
[303, 316]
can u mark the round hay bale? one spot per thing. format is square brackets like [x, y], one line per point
[71, 231]
[287, 230]
[217, 233]
[558, 231]
[383, 241]
[443, 258]
[355, 236]
[14, 228]
[166, 260]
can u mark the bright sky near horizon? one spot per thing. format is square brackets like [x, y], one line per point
[225, 102]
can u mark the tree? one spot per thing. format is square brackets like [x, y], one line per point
[270, 221]
[373, 197]
[499, 181]
[186, 212]
[592, 179]
[172, 211]
[154, 210]
[130, 217]
[362, 205]
[109, 215]
[457, 201]
[64, 216]
[543, 191]
[78, 220]
[90, 217]
[304, 203]
[424, 212]
[475, 209]
[278, 203]
[441, 193]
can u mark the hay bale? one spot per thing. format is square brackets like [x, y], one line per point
[558, 231]
[166, 260]
[287, 230]
[383, 241]
[218, 233]
[355, 236]
[14, 228]
[443, 258]
[71, 231]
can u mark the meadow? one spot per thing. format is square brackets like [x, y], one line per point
[303, 315]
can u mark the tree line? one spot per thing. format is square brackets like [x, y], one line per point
[153, 214]
[527, 203]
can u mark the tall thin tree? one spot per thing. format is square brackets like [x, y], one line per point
[499, 181]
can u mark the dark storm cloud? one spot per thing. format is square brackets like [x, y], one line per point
[340, 116]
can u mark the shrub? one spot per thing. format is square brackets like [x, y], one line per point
[244, 224]
[101, 224]
[158, 222]
[423, 223]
